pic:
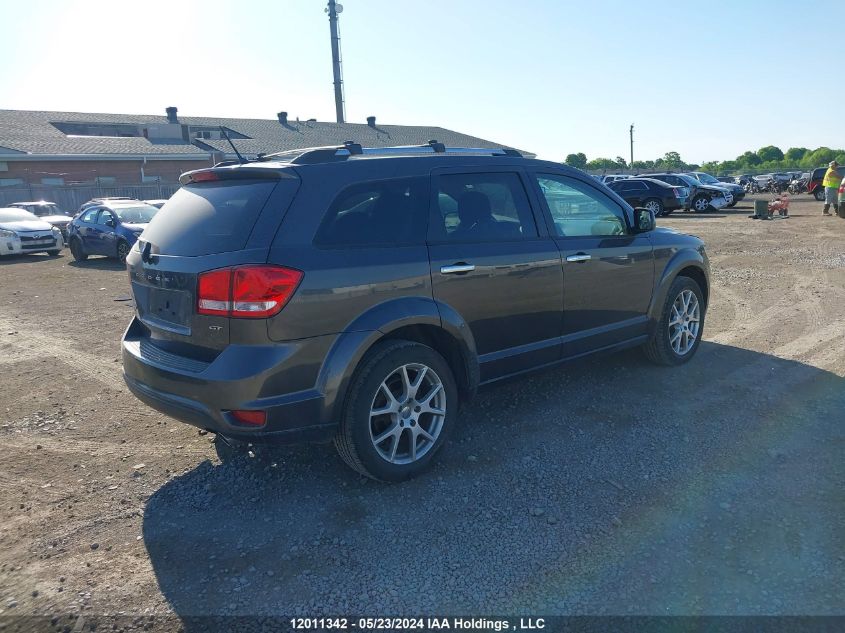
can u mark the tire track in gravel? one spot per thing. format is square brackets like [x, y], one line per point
[45, 344]
[818, 349]
[799, 298]
[741, 312]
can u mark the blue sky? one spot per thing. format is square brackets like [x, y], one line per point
[707, 79]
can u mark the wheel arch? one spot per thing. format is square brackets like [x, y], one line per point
[688, 262]
[414, 319]
[698, 276]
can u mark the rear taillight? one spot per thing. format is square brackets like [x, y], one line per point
[214, 292]
[252, 292]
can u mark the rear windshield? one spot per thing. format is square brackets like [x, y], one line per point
[47, 209]
[140, 214]
[206, 218]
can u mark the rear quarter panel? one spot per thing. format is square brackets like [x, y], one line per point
[341, 283]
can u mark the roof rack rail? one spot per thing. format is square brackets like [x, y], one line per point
[313, 155]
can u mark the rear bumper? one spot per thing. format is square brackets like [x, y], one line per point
[253, 377]
[673, 203]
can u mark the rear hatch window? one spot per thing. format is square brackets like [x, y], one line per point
[213, 217]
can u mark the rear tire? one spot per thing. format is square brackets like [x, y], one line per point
[122, 251]
[413, 387]
[655, 206]
[818, 193]
[660, 348]
[77, 250]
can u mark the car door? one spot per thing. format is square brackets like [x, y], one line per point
[494, 264]
[88, 229]
[107, 223]
[608, 271]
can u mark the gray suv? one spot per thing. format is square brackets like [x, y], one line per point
[360, 295]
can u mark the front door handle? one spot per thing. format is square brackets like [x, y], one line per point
[579, 257]
[457, 269]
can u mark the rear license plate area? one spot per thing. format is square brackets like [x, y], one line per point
[169, 305]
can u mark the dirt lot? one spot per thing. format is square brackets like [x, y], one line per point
[611, 486]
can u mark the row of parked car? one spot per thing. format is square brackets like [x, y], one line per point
[102, 226]
[794, 182]
[664, 193]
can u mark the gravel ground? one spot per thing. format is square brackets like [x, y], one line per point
[605, 487]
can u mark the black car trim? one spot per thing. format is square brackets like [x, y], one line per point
[626, 344]
[519, 349]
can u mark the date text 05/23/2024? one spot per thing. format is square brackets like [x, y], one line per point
[416, 624]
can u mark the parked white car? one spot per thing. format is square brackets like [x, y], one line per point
[49, 212]
[611, 177]
[23, 232]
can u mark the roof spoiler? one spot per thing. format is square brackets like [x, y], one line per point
[218, 173]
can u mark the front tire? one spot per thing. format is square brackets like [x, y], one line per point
[701, 204]
[399, 411]
[818, 194]
[677, 335]
[77, 251]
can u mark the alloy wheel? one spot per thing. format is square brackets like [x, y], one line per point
[407, 413]
[653, 206]
[684, 322]
[701, 203]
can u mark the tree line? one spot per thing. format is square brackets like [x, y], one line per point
[765, 159]
[670, 161]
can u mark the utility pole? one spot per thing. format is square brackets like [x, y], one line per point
[632, 146]
[333, 9]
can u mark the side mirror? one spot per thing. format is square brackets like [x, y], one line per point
[644, 220]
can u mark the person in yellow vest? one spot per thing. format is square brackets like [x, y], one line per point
[831, 182]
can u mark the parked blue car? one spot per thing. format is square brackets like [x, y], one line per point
[109, 228]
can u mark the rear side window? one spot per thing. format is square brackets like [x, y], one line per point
[213, 217]
[377, 213]
[482, 207]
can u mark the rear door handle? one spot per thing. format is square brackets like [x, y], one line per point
[579, 257]
[457, 269]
